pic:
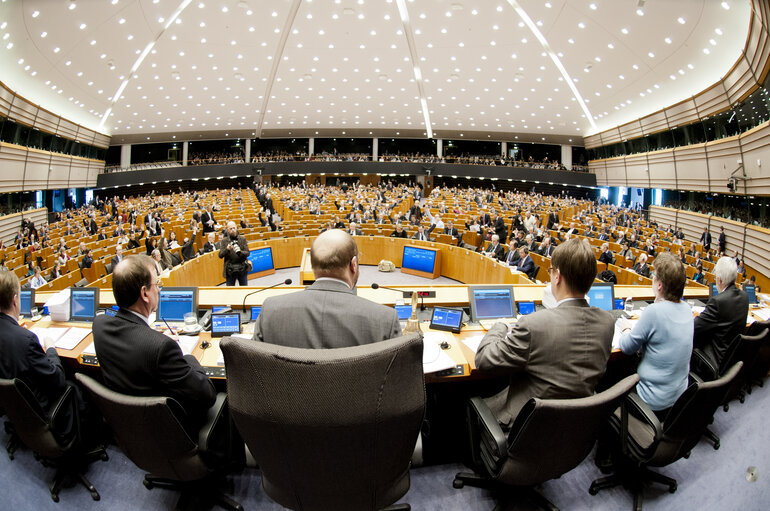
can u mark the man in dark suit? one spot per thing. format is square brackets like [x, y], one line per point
[92, 227]
[139, 361]
[705, 239]
[188, 250]
[724, 316]
[512, 256]
[399, 232]
[495, 249]
[606, 255]
[451, 230]
[553, 219]
[722, 240]
[641, 267]
[526, 265]
[546, 247]
[422, 234]
[208, 221]
[354, 230]
[327, 314]
[117, 257]
[21, 354]
[498, 224]
[558, 353]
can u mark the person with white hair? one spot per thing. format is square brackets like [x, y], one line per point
[234, 249]
[724, 317]
[495, 249]
[641, 267]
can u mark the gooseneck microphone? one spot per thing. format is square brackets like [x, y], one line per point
[406, 294]
[285, 282]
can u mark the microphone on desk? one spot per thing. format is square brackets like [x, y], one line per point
[406, 294]
[243, 307]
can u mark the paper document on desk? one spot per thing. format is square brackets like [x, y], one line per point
[435, 359]
[188, 343]
[53, 333]
[764, 314]
[473, 342]
[89, 350]
[698, 310]
[72, 338]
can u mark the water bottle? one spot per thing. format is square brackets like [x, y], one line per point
[629, 305]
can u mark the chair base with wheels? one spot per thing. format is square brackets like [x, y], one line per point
[527, 492]
[69, 471]
[633, 478]
[193, 492]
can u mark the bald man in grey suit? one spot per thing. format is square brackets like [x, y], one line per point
[327, 314]
[557, 353]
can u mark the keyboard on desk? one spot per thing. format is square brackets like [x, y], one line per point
[619, 313]
[486, 324]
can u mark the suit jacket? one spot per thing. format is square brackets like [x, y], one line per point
[325, 315]
[643, 270]
[452, 232]
[205, 218]
[512, 257]
[21, 356]
[548, 357]
[705, 240]
[720, 322]
[546, 251]
[605, 257]
[498, 252]
[138, 361]
[526, 265]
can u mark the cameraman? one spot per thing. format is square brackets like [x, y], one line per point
[234, 250]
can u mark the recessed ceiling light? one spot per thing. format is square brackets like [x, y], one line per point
[592, 6]
[651, 55]
[668, 40]
[121, 21]
[624, 30]
[718, 31]
[82, 26]
[706, 51]
[681, 20]
[640, 12]
[43, 34]
[582, 25]
[36, 14]
[725, 6]
[72, 6]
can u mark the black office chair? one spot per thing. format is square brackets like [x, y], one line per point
[150, 433]
[645, 442]
[533, 274]
[549, 438]
[53, 435]
[329, 428]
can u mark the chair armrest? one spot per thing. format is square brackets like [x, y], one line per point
[213, 415]
[634, 405]
[488, 421]
[701, 365]
[63, 418]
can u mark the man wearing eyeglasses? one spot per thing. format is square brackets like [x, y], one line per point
[139, 361]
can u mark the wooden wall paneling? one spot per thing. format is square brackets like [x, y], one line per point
[662, 169]
[592, 141]
[6, 98]
[102, 141]
[757, 46]
[9, 224]
[734, 233]
[755, 250]
[664, 216]
[692, 225]
[616, 171]
[599, 167]
[637, 173]
[95, 167]
[631, 130]
[22, 111]
[653, 123]
[681, 113]
[78, 177]
[59, 174]
[755, 145]
[84, 135]
[724, 157]
[12, 160]
[692, 168]
[712, 100]
[740, 81]
[611, 136]
[67, 129]
[36, 170]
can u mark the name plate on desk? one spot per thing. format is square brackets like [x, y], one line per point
[89, 360]
[214, 372]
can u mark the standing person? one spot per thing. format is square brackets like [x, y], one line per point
[705, 239]
[722, 240]
[558, 353]
[327, 314]
[664, 336]
[234, 250]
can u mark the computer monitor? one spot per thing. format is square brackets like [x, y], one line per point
[526, 308]
[601, 295]
[175, 302]
[713, 291]
[491, 302]
[261, 260]
[225, 324]
[255, 310]
[418, 259]
[217, 310]
[27, 300]
[404, 312]
[445, 318]
[751, 291]
[84, 301]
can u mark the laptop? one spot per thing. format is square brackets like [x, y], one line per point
[602, 295]
[490, 304]
[751, 291]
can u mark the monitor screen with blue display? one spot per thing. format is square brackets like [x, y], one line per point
[751, 291]
[27, 299]
[418, 259]
[175, 302]
[446, 319]
[225, 324]
[216, 310]
[83, 303]
[713, 291]
[491, 302]
[261, 259]
[526, 308]
[255, 310]
[602, 296]
[404, 312]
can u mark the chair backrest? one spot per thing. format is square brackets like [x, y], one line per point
[30, 421]
[552, 436]
[329, 428]
[148, 432]
[690, 416]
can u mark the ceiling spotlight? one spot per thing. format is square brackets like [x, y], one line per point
[640, 12]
